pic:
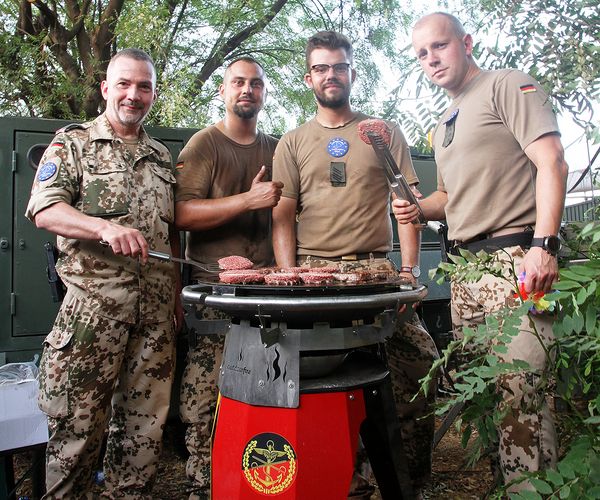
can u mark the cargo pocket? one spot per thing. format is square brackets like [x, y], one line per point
[105, 189]
[55, 387]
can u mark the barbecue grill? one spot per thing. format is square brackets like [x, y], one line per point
[303, 373]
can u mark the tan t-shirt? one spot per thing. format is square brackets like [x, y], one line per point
[489, 180]
[213, 166]
[342, 219]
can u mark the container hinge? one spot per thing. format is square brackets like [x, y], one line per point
[13, 304]
[14, 161]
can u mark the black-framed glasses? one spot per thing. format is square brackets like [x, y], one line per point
[338, 69]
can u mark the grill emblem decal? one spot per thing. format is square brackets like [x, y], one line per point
[269, 463]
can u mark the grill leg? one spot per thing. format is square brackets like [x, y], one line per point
[382, 438]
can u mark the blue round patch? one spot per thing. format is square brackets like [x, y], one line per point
[337, 147]
[46, 171]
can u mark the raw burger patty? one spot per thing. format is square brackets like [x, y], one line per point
[282, 278]
[295, 270]
[316, 278]
[241, 276]
[353, 277]
[376, 126]
[235, 262]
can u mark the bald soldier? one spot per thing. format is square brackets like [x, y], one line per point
[108, 361]
[501, 188]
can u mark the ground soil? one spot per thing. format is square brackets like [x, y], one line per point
[450, 480]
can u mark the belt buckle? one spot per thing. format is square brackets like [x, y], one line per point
[352, 256]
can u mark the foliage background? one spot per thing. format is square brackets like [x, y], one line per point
[54, 54]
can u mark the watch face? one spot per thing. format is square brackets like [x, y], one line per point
[416, 271]
[552, 243]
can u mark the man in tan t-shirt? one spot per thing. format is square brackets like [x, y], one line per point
[501, 188]
[335, 206]
[223, 198]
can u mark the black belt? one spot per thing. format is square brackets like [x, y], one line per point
[490, 245]
[350, 257]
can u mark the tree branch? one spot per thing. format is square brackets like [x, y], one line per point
[219, 56]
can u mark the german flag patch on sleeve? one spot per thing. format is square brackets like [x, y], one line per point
[528, 88]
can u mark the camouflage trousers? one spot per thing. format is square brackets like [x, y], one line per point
[410, 352]
[527, 436]
[94, 371]
[198, 401]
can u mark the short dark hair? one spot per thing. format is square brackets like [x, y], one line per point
[131, 53]
[247, 59]
[327, 40]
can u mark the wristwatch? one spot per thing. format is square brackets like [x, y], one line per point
[549, 243]
[414, 270]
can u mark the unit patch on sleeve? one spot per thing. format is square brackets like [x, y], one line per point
[48, 170]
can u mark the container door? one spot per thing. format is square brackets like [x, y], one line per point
[34, 309]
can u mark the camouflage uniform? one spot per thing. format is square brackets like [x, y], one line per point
[527, 435]
[198, 397]
[410, 352]
[110, 354]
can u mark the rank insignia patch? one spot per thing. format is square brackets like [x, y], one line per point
[450, 126]
[46, 171]
[269, 463]
[526, 89]
[337, 147]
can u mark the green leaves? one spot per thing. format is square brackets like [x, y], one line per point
[573, 374]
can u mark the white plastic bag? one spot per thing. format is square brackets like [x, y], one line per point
[16, 373]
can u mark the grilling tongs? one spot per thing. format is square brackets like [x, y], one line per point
[209, 268]
[396, 180]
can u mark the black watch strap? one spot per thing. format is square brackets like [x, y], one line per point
[550, 244]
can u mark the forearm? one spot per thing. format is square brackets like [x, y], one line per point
[64, 220]
[550, 198]
[434, 205]
[410, 244]
[200, 215]
[284, 232]
[284, 244]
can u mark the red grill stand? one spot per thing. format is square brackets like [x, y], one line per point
[303, 375]
[294, 453]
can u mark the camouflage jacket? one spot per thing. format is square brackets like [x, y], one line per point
[89, 168]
